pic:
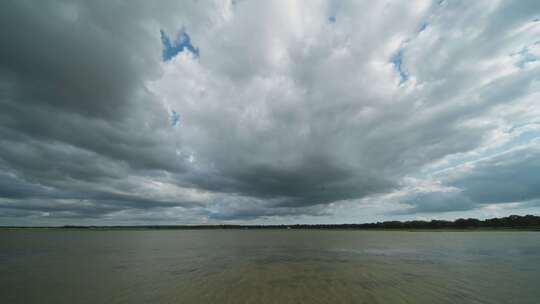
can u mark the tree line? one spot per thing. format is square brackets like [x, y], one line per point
[509, 222]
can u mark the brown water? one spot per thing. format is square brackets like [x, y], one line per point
[279, 266]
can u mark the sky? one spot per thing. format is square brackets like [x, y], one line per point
[268, 112]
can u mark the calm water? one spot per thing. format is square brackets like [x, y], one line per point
[269, 267]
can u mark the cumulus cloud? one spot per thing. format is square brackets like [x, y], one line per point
[226, 110]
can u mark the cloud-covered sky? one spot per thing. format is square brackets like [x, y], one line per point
[180, 112]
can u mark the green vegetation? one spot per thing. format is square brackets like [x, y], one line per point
[514, 222]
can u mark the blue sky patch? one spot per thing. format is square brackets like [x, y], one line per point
[397, 60]
[333, 9]
[174, 118]
[422, 27]
[181, 43]
[526, 57]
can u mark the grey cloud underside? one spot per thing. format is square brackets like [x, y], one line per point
[85, 203]
[511, 177]
[75, 113]
[280, 115]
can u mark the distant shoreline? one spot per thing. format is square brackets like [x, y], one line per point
[510, 223]
[181, 228]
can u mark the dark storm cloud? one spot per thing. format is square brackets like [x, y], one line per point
[71, 72]
[72, 57]
[314, 181]
[21, 195]
[75, 114]
[433, 202]
[511, 177]
[14, 188]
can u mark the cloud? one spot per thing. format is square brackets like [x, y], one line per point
[109, 113]
[425, 202]
[508, 177]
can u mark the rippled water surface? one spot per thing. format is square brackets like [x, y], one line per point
[277, 266]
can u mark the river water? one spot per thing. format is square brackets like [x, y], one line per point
[269, 266]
